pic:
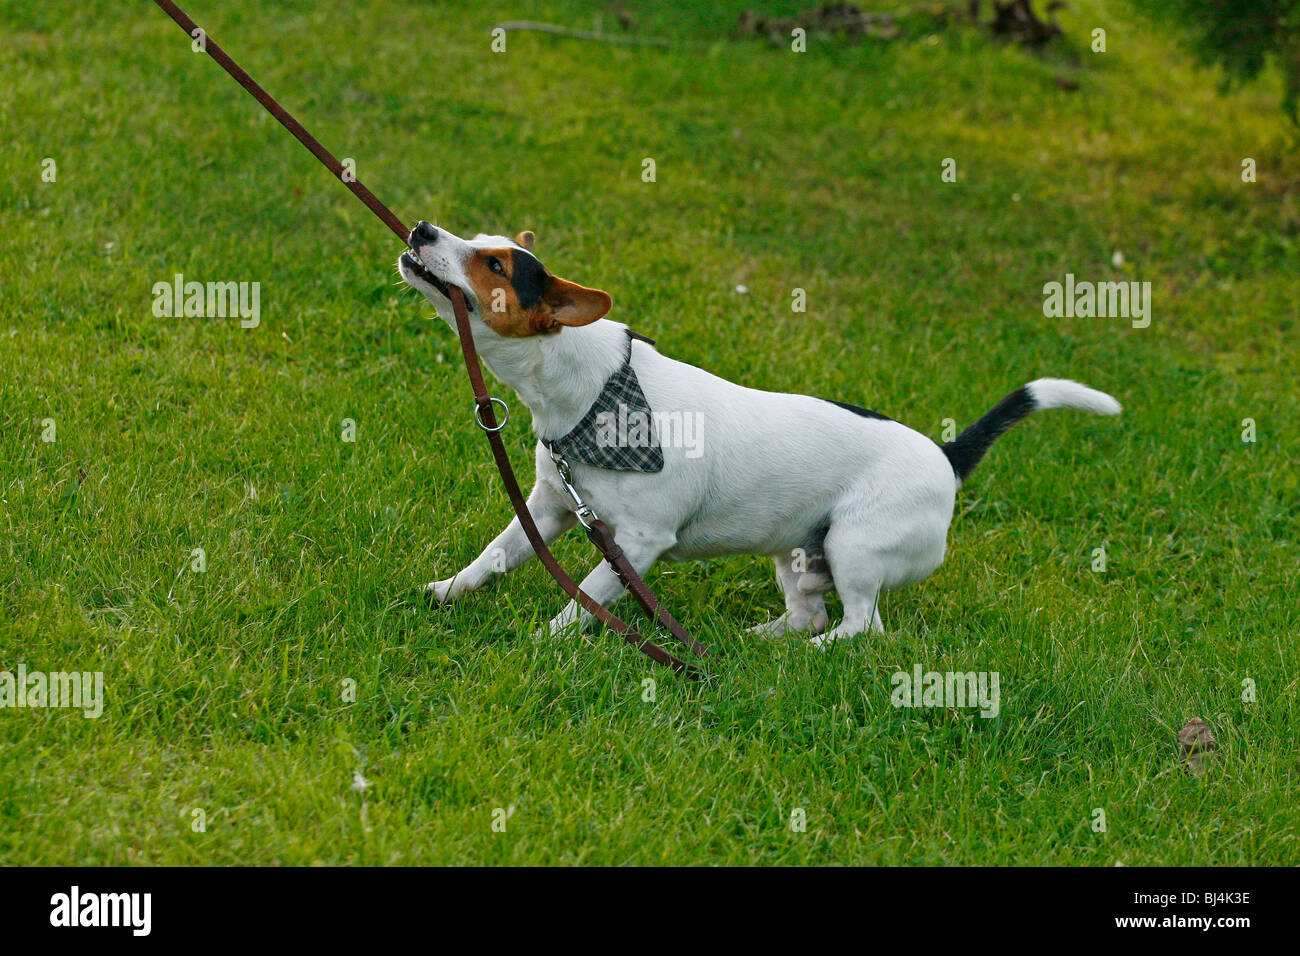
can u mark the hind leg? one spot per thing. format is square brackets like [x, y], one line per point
[805, 606]
[868, 557]
[861, 613]
[860, 571]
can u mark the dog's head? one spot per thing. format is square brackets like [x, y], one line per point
[504, 283]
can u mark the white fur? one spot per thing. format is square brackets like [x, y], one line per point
[774, 469]
[1063, 393]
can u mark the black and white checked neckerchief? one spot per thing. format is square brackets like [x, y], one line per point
[618, 431]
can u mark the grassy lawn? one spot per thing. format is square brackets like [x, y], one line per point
[224, 690]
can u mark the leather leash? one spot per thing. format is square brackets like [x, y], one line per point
[484, 413]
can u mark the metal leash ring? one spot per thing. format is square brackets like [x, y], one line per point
[505, 415]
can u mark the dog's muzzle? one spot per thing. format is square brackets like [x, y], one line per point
[425, 233]
[418, 269]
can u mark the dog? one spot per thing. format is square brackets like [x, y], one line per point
[838, 496]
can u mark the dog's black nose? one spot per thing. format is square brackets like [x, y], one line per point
[423, 232]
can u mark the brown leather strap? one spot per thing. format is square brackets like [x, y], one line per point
[604, 540]
[600, 535]
[288, 122]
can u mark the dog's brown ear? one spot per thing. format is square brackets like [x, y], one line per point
[526, 239]
[573, 304]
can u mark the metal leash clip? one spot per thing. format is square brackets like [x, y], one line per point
[584, 512]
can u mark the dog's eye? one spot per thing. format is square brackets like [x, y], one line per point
[495, 265]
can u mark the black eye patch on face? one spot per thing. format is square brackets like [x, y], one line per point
[528, 278]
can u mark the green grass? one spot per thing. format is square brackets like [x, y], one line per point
[775, 170]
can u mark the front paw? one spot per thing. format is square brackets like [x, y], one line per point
[437, 593]
[563, 624]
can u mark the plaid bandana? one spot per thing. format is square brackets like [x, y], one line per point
[618, 431]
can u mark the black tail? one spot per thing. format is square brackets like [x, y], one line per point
[965, 451]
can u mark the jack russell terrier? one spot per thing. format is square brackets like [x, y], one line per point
[838, 496]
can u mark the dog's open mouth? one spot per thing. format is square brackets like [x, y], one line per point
[416, 266]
